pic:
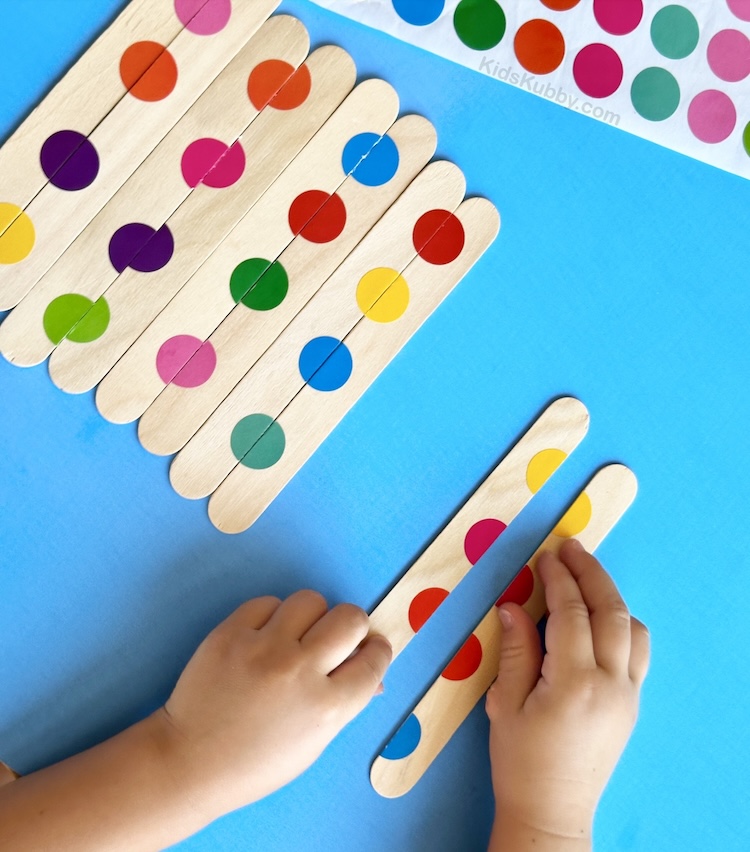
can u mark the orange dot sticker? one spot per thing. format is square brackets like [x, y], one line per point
[148, 71]
[278, 84]
[466, 661]
[539, 46]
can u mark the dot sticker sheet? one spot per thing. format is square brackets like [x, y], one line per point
[674, 73]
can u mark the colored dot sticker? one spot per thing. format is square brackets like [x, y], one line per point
[203, 17]
[542, 466]
[519, 591]
[675, 32]
[480, 24]
[466, 660]
[729, 55]
[279, 84]
[383, 294]
[712, 116]
[199, 368]
[576, 518]
[212, 163]
[258, 441]
[17, 234]
[597, 70]
[259, 284]
[75, 317]
[539, 46]
[481, 537]
[620, 17]
[740, 9]
[423, 606]
[745, 142]
[141, 248]
[325, 363]
[438, 237]
[370, 159]
[560, 5]
[174, 354]
[69, 160]
[655, 94]
[148, 71]
[317, 216]
[404, 741]
[419, 13]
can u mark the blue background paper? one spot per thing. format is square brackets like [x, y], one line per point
[620, 276]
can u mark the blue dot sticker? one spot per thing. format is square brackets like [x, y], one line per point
[370, 159]
[420, 13]
[325, 364]
[404, 741]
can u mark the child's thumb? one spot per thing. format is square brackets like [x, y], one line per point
[520, 662]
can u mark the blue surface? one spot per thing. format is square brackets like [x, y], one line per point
[620, 276]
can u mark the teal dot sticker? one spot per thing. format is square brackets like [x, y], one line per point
[259, 284]
[258, 441]
[75, 317]
[325, 364]
[480, 24]
[675, 32]
[655, 94]
[404, 741]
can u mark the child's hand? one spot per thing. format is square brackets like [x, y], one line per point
[558, 726]
[265, 693]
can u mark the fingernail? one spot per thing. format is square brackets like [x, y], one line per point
[381, 689]
[505, 617]
[573, 542]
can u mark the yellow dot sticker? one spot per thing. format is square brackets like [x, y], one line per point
[17, 235]
[576, 518]
[383, 295]
[542, 466]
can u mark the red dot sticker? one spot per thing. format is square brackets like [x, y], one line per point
[424, 605]
[481, 537]
[560, 5]
[519, 591]
[597, 71]
[438, 237]
[466, 661]
[279, 84]
[539, 46]
[620, 17]
[317, 216]
[148, 71]
[213, 163]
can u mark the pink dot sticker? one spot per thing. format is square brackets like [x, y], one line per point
[481, 537]
[185, 361]
[740, 9]
[203, 17]
[712, 116]
[213, 163]
[729, 55]
[620, 17]
[597, 70]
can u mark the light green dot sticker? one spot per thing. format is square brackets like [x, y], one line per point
[675, 32]
[258, 441]
[655, 94]
[746, 139]
[75, 317]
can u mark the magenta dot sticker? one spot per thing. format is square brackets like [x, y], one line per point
[712, 116]
[69, 160]
[187, 357]
[203, 17]
[618, 17]
[597, 70]
[740, 9]
[141, 248]
[480, 538]
[729, 55]
[213, 163]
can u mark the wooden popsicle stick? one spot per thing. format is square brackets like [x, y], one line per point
[306, 422]
[206, 299]
[122, 141]
[180, 410]
[486, 514]
[83, 97]
[85, 269]
[446, 704]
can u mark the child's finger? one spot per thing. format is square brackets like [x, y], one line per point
[298, 613]
[361, 675]
[568, 632]
[640, 652]
[255, 613]
[610, 618]
[520, 661]
[335, 636]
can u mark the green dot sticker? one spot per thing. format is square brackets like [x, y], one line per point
[75, 317]
[746, 139]
[655, 94]
[675, 32]
[480, 24]
[258, 441]
[259, 284]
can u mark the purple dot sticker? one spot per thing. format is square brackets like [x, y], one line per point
[203, 17]
[213, 163]
[729, 55]
[69, 160]
[740, 9]
[712, 116]
[141, 248]
[185, 361]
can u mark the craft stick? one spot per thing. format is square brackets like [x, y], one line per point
[122, 141]
[276, 379]
[270, 459]
[477, 524]
[134, 220]
[87, 92]
[242, 257]
[470, 673]
[207, 216]
[182, 408]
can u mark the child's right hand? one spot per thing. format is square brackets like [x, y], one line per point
[558, 725]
